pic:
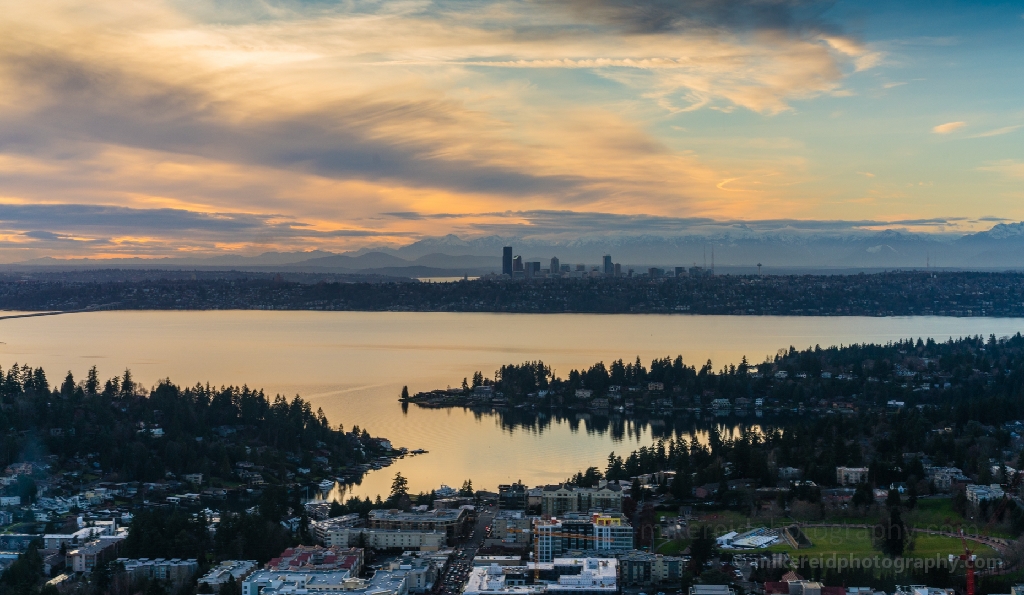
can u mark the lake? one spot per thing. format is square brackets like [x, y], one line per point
[354, 364]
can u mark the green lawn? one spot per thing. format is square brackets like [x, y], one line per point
[939, 513]
[670, 547]
[926, 545]
[928, 512]
[933, 514]
[724, 521]
[857, 541]
[936, 514]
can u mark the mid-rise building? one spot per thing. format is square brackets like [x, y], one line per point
[512, 496]
[511, 527]
[944, 478]
[846, 476]
[173, 570]
[563, 576]
[386, 539]
[453, 523]
[320, 529]
[644, 569]
[91, 531]
[323, 582]
[87, 557]
[599, 533]
[228, 570]
[976, 494]
[559, 499]
[306, 557]
[421, 572]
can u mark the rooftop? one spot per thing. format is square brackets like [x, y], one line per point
[442, 514]
[325, 582]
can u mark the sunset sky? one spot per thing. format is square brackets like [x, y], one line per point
[163, 128]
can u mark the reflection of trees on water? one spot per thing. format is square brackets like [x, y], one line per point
[621, 427]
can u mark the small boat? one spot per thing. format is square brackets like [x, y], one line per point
[326, 485]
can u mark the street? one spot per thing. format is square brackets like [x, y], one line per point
[455, 575]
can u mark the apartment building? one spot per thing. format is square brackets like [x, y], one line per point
[846, 476]
[560, 499]
[453, 523]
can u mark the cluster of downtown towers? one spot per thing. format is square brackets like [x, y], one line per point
[513, 266]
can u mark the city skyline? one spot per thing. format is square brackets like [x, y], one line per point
[190, 129]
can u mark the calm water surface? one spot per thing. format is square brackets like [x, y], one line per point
[354, 364]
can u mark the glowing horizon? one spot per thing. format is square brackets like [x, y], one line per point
[173, 128]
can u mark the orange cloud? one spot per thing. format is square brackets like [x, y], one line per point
[308, 124]
[948, 127]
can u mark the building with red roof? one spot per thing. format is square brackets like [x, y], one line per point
[315, 557]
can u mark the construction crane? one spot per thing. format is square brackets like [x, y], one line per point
[968, 558]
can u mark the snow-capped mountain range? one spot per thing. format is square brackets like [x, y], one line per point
[1001, 247]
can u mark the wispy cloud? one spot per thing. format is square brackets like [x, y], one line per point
[1008, 168]
[948, 127]
[998, 131]
[552, 224]
[205, 125]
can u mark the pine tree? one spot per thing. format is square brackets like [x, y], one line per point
[399, 487]
[68, 387]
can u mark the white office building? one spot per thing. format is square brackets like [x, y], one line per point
[563, 576]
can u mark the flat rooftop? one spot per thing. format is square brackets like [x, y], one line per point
[443, 514]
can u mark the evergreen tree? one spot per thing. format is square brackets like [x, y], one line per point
[67, 389]
[92, 382]
[891, 535]
[25, 572]
[636, 490]
[399, 488]
[702, 548]
[230, 588]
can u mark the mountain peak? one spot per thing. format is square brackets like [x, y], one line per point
[1002, 231]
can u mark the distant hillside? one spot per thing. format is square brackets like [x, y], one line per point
[1001, 247]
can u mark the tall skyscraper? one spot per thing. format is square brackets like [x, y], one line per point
[609, 269]
[555, 266]
[506, 260]
[517, 264]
